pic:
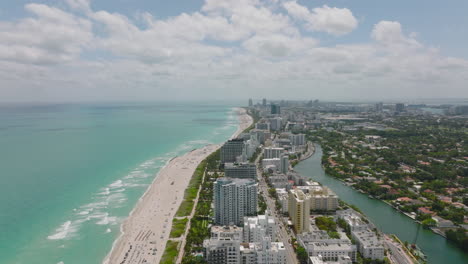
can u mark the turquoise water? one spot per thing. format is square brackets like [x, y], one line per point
[387, 219]
[71, 173]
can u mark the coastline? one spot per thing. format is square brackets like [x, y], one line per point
[145, 232]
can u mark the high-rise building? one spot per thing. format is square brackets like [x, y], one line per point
[297, 139]
[264, 102]
[399, 107]
[250, 102]
[275, 109]
[460, 110]
[271, 153]
[240, 170]
[275, 123]
[299, 210]
[284, 164]
[233, 200]
[379, 107]
[231, 150]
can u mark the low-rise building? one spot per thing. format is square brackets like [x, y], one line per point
[323, 200]
[224, 232]
[369, 244]
[274, 164]
[266, 252]
[279, 181]
[331, 251]
[354, 221]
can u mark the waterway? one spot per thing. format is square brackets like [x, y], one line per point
[387, 219]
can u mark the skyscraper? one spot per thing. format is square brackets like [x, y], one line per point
[250, 102]
[379, 107]
[275, 109]
[399, 107]
[264, 102]
[234, 199]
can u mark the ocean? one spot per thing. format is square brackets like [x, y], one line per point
[70, 173]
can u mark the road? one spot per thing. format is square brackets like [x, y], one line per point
[398, 255]
[282, 230]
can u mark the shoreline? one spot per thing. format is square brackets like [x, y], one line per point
[145, 232]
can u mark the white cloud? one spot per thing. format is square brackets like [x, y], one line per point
[228, 48]
[53, 36]
[335, 21]
[390, 33]
[83, 5]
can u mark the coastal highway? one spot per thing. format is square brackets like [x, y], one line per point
[282, 230]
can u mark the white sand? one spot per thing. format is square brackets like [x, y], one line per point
[147, 228]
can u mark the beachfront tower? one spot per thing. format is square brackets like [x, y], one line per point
[232, 149]
[234, 199]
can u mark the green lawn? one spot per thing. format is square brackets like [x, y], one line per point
[185, 208]
[170, 253]
[178, 227]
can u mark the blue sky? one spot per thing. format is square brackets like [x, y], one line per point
[156, 50]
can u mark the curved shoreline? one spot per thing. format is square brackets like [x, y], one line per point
[144, 233]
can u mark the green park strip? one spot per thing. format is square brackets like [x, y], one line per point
[178, 227]
[170, 253]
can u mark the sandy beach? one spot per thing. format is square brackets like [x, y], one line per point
[145, 232]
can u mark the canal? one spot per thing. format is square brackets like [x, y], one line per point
[387, 219]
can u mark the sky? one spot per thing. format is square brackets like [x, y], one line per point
[153, 50]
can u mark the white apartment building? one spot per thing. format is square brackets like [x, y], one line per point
[222, 251]
[226, 247]
[324, 199]
[331, 251]
[233, 200]
[265, 252]
[271, 153]
[256, 228]
[274, 164]
[354, 221]
[297, 139]
[369, 245]
[283, 198]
